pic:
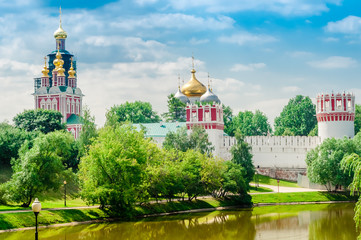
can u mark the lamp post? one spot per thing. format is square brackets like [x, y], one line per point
[64, 193]
[36, 206]
[257, 176]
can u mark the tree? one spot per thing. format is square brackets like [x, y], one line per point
[251, 124]
[135, 112]
[357, 118]
[88, 131]
[112, 171]
[11, 139]
[197, 140]
[299, 116]
[241, 155]
[323, 162]
[176, 110]
[227, 119]
[234, 179]
[41, 120]
[41, 166]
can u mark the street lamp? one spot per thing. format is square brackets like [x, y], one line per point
[64, 193]
[257, 174]
[36, 206]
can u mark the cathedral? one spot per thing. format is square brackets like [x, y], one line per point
[58, 89]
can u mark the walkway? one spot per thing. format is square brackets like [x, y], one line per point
[287, 189]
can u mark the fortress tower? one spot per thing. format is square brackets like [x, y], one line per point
[335, 115]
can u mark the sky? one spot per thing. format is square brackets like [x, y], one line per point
[259, 54]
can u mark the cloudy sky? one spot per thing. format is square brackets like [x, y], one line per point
[259, 54]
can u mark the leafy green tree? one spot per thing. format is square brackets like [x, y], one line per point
[88, 131]
[357, 118]
[135, 112]
[11, 139]
[112, 172]
[233, 179]
[197, 140]
[251, 124]
[323, 162]
[299, 116]
[176, 110]
[41, 120]
[241, 155]
[314, 131]
[40, 167]
[227, 119]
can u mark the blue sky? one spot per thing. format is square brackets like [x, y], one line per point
[259, 54]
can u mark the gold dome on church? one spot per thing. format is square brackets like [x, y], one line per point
[60, 33]
[193, 88]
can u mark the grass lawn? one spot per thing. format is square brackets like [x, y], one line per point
[259, 189]
[302, 197]
[271, 181]
[48, 204]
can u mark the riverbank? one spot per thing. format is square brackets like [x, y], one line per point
[19, 220]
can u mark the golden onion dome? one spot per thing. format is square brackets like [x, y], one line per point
[60, 33]
[45, 70]
[193, 88]
[71, 71]
[58, 61]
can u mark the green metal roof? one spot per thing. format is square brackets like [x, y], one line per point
[74, 119]
[159, 129]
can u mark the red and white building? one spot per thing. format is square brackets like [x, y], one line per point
[57, 88]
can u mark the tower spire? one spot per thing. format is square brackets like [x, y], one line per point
[178, 81]
[60, 35]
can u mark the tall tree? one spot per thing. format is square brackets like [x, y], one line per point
[112, 172]
[227, 119]
[197, 140]
[176, 110]
[40, 167]
[298, 116]
[88, 131]
[251, 124]
[357, 118]
[135, 112]
[323, 162]
[241, 155]
[41, 120]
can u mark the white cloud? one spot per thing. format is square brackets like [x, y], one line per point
[290, 89]
[331, 39]
[334, 62]
[348, 25]
[248, 67]
[283, 7]
[173, 21]
[300, 54]
[247, 38]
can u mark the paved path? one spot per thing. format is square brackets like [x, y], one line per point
[287, 189]
[49, 209]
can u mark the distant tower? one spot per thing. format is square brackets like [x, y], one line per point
[57, 88]
[193, 89]
[335, 115]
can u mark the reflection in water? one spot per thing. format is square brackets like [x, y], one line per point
[323, 222]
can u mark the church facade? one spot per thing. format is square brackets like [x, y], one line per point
[58, 89]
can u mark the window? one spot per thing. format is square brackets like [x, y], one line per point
[339, 104]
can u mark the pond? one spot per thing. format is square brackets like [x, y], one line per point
[318, 221]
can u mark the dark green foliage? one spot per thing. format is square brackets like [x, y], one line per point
[135, 112]
[234, 179]
[357, 118]
[40, 167]
[250, 124]
[323, 162]
[314, 131]
[11, 139]
[41, 120]
[241, 155]
[297, 118]
[176, 110]
[197, 140]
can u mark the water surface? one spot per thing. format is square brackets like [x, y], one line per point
[316, 222]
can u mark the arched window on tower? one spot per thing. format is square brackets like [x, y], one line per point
[55, 104]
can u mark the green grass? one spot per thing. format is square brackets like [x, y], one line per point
[271, 181]
[59, 203]
[259, 190]
[302, 197]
